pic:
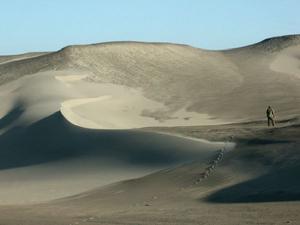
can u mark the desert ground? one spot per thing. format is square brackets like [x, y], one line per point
[151, 133]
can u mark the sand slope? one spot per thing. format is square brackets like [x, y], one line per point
[263, 168]
[53, 158]
[221, 84]
[76, 136]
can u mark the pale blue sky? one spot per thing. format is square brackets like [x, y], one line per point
[47, 25]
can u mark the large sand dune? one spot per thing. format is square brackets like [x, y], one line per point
[52, 146]
[52, 158]
[221, 84]
[87, 125]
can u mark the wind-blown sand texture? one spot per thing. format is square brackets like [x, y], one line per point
[111, 134]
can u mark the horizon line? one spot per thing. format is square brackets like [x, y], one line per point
[151, 42]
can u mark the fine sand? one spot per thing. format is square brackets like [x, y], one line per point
[238, 190]
[150, 133]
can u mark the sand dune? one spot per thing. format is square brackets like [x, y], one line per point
[110, 132]
[46, 157]
[288, 61]
[52, 158]
[180, 76]
[13, 58]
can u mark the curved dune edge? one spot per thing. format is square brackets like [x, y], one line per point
[84, 159]
[130, 111]
[72, 117]
[103, 158]
[112, 113]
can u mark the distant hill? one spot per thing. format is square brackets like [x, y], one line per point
[230, 84]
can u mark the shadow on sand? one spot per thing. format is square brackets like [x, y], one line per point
[278, 185]
[11, 116]
[54, 138]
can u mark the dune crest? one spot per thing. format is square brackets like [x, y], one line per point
[68, 133]
[223, 85]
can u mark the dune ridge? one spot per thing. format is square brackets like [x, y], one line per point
[182, 76]
[109, 133]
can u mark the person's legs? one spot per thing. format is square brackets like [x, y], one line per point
[273, 122]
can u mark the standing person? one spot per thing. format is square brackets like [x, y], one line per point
[270, 116]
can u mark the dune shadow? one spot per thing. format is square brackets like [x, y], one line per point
[262, 141]
[11, 116]
[54, 138]
[278, 185]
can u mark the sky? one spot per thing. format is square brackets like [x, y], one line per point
[49, 25]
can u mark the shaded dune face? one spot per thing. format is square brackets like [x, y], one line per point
[47, 151]
[52, 158]
[54, 138]
[50, 101]
[277, 185]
